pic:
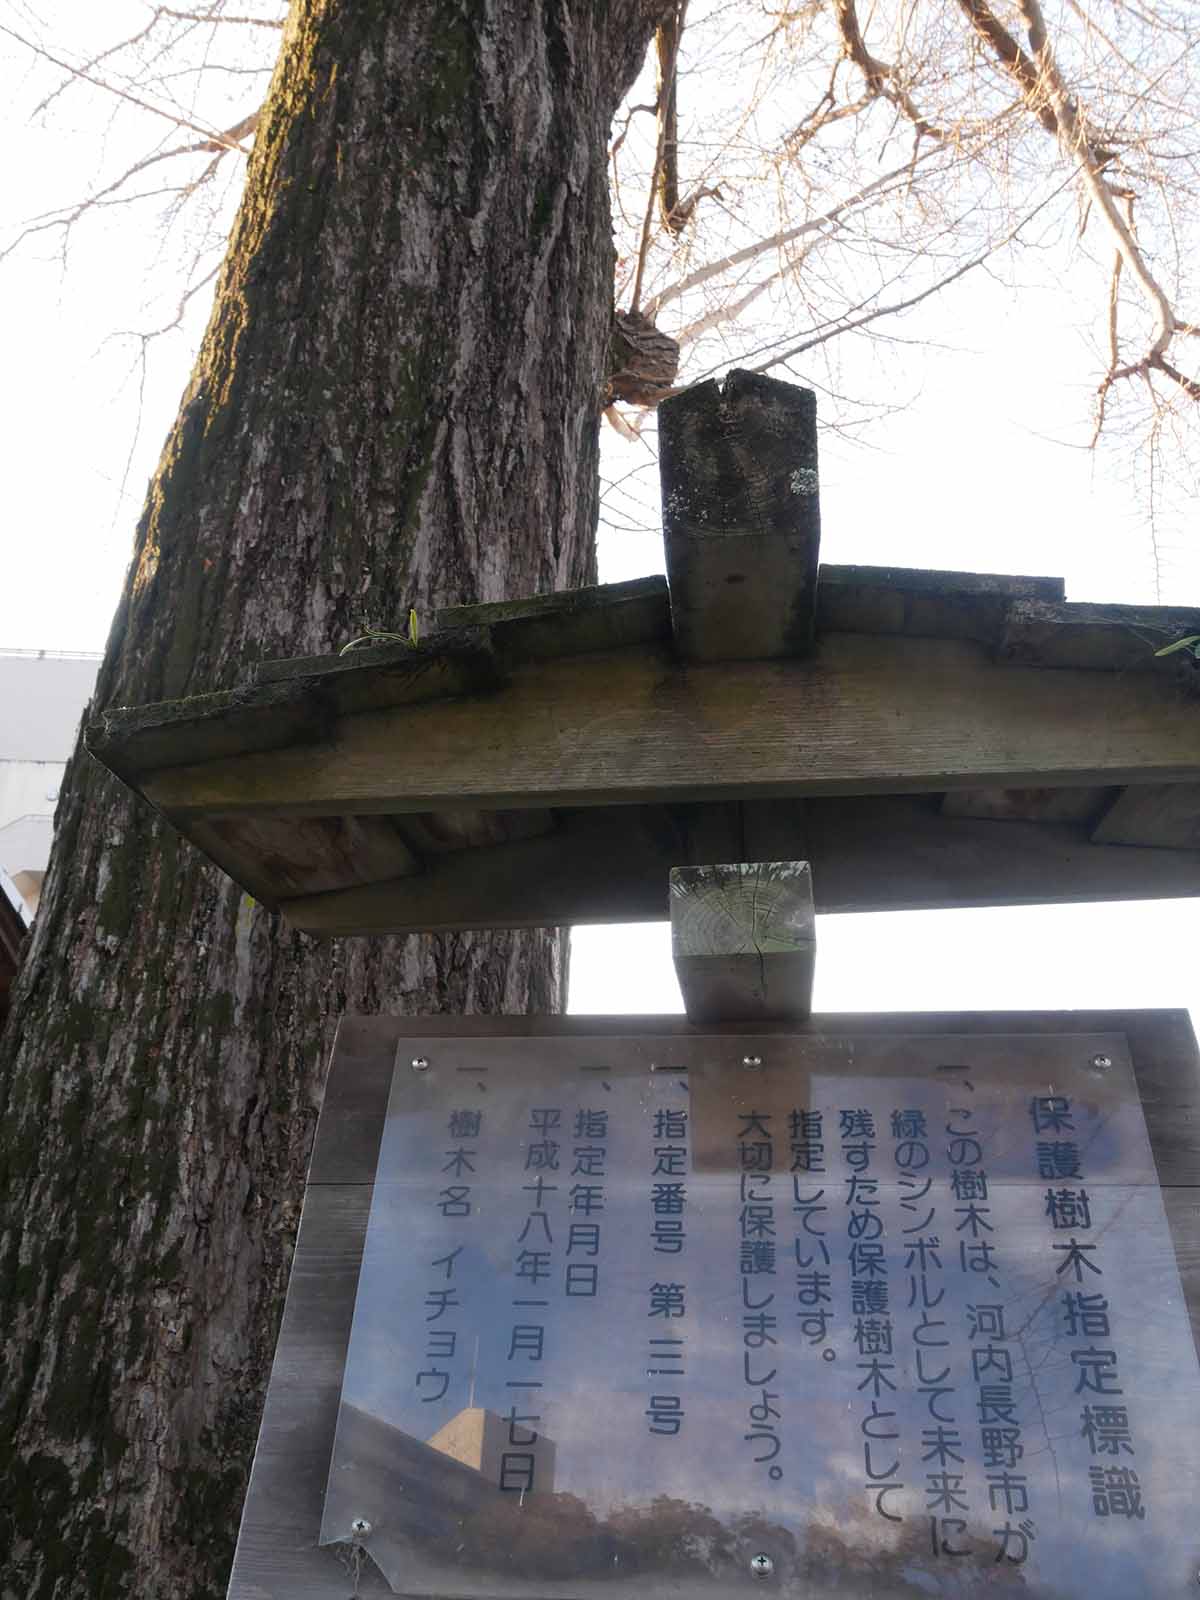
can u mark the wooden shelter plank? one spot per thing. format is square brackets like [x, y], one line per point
[435, 833]
[572, 621]
[868, 853]
[866, 714]
[898, 854]
[941, 581]
[300, 708]
[1163, 814]
[604, 865]
[939, 605]
[1083, 804]
[1096, 637]
[275, 857]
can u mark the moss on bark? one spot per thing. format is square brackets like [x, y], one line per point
[394, 405]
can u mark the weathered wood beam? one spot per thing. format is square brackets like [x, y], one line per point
[606, 865]
[1079, 804]
[899, 854]
[293, 702]
[868, 854]
[936, 605]
[603, 617]
[1166, 815]
[743, 939]
[275, 857]
[1105, 638]
[741, 517]
[866, 714]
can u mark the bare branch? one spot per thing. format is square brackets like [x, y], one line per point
[825, 112]
[215, 14]
[882, 78]
[85, 76]
[1045, 92]
[994, 34]
[666, 92]
[1189, 385]
[624, 133]
[68, 216]
[775, 241]
[176, 321]
[853, 324]
[1073, 140]
[75, 75]
[666, 46]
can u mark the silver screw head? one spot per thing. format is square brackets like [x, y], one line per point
[761, 1565]
[753, 1061]
[1101, 1063]
[420, 1064]
[360, 1527]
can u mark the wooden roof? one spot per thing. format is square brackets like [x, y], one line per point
[941, 739]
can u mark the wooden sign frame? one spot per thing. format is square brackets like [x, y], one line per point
[278, 1557]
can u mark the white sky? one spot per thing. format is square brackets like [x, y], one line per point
[1005, 407]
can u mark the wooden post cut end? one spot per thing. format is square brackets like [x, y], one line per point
[744, 941]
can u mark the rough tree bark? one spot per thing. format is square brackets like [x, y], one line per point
[395, 404]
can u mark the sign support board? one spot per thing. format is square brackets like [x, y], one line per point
[916, 1314]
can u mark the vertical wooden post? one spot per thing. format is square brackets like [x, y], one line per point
[743, 940]
[741, 517]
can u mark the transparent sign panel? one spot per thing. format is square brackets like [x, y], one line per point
[868, 1316]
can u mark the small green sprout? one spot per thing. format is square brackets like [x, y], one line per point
[379, 636]
[1191, 644]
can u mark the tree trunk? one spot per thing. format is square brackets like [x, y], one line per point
[395, 404]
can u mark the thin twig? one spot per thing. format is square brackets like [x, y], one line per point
[668, 88]
[122, 94]
[912, 300]
[68, 216]
[751, 252]
[215, 14]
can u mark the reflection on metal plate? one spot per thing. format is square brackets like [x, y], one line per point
[816, 1315]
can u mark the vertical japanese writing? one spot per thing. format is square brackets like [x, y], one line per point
[870, 1309]
[1114, 1487]
[442, 1349]
[589, 1166]
[814, 1280]
[756, 1276]
[666, 1311]
[992, 1370]
[991, 1358]
[936, 1305]
[533, 1266]
[942, 1449]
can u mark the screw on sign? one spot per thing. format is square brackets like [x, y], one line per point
[420, 1064]
[753, 1061]
[761, 1566]
[1101, 1063]
[360, 1527]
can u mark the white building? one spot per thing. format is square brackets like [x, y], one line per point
[42, 697]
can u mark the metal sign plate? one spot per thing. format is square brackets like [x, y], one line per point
[887, 1316]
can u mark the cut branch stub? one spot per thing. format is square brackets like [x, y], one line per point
[743, 940]
[741, 517]
[643, 361]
